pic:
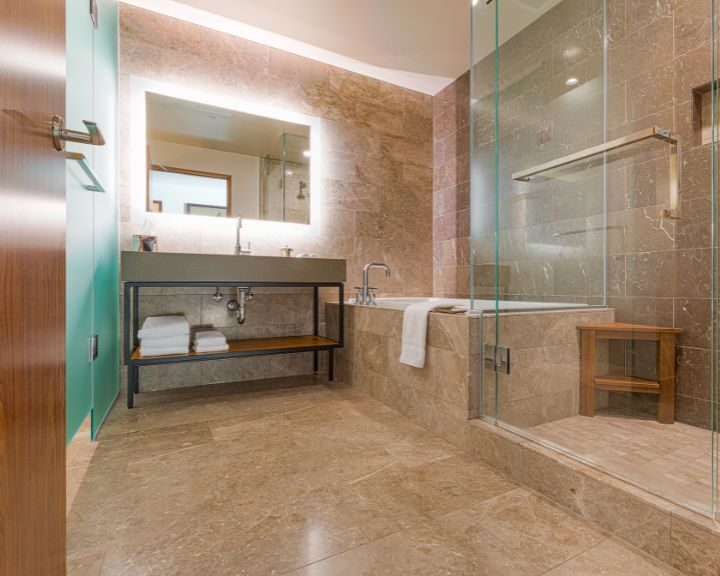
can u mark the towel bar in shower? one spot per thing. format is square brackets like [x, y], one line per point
[96, 186]
[655, 132]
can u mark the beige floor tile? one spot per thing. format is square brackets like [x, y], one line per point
[416, 553]
[308, 480]
[610, 558]
[517, 533]
[90, 565]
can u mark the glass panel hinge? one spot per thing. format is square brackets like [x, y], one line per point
[497, 358]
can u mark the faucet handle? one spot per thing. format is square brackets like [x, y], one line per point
[359, 295]
[372, 295]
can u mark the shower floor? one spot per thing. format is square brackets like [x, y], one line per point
[672, 460]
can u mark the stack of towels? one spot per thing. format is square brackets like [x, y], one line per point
[210, 341]
[164, 336]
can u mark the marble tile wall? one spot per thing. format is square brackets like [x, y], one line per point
[377, 173]
[451, 190]
[440, 397]
[376, 177]
[552, 230]
[661, 270]
[544, 380]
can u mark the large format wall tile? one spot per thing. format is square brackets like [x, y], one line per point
[377, 177]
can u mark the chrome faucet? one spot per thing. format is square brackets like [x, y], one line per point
[366, 294]
[238, 243]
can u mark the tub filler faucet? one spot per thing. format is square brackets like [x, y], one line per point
[366, 294]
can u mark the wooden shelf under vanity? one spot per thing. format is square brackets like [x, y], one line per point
[248, 347]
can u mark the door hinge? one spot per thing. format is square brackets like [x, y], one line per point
[497, 358]
[93, 347]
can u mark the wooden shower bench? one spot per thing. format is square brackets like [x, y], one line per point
[663, 387]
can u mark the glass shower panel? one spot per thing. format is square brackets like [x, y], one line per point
[285, 181]
[592, 203]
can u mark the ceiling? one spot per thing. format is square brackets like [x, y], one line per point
[203, 126]
[419, 44]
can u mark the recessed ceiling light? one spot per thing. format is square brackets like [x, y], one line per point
[289, 172]
[572, 81]
[474, 2]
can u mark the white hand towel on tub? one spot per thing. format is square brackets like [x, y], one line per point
[161, 326]
[209, 338]
[167, 341]
[414, 334]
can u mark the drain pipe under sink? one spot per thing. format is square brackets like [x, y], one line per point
[239, 305]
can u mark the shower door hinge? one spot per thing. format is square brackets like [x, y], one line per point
[497, 358]
[93, 348]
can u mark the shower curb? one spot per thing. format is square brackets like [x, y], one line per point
[688, 541]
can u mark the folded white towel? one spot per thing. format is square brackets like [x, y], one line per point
[414, 334]
[452, 310]
[210, 338]
[167, 341]
[161, 326]
[144, 351]
[203, 348]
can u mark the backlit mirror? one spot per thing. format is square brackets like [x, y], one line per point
[209, 161]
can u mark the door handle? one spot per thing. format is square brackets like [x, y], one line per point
[61, 134]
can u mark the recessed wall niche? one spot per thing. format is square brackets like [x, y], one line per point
[702, 113]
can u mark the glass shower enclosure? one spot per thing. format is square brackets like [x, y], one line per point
[592, 188]
[284, 181]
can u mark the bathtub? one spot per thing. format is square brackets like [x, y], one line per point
[480, 305]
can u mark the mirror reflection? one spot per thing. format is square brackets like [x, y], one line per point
[209, 161]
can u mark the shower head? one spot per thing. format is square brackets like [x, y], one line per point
[301, 195]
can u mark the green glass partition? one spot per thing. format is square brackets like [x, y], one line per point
[91, 242]
[79, 239]
[106, 377]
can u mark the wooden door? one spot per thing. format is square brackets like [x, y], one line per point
[32, 290]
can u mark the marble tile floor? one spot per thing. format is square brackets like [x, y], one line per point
[310, 481]
[673, 460]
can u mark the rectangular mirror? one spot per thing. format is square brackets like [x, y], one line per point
[210, 161]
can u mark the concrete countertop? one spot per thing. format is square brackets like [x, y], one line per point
[176, 267]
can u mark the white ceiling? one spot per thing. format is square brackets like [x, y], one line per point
[203, 126]
[419, 44]
[422, 36]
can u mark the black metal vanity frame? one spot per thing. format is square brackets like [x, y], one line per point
[131, 293]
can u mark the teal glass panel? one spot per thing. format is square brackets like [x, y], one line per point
[79, 239]
[106, 377]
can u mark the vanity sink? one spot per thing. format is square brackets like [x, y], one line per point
[176, 267]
